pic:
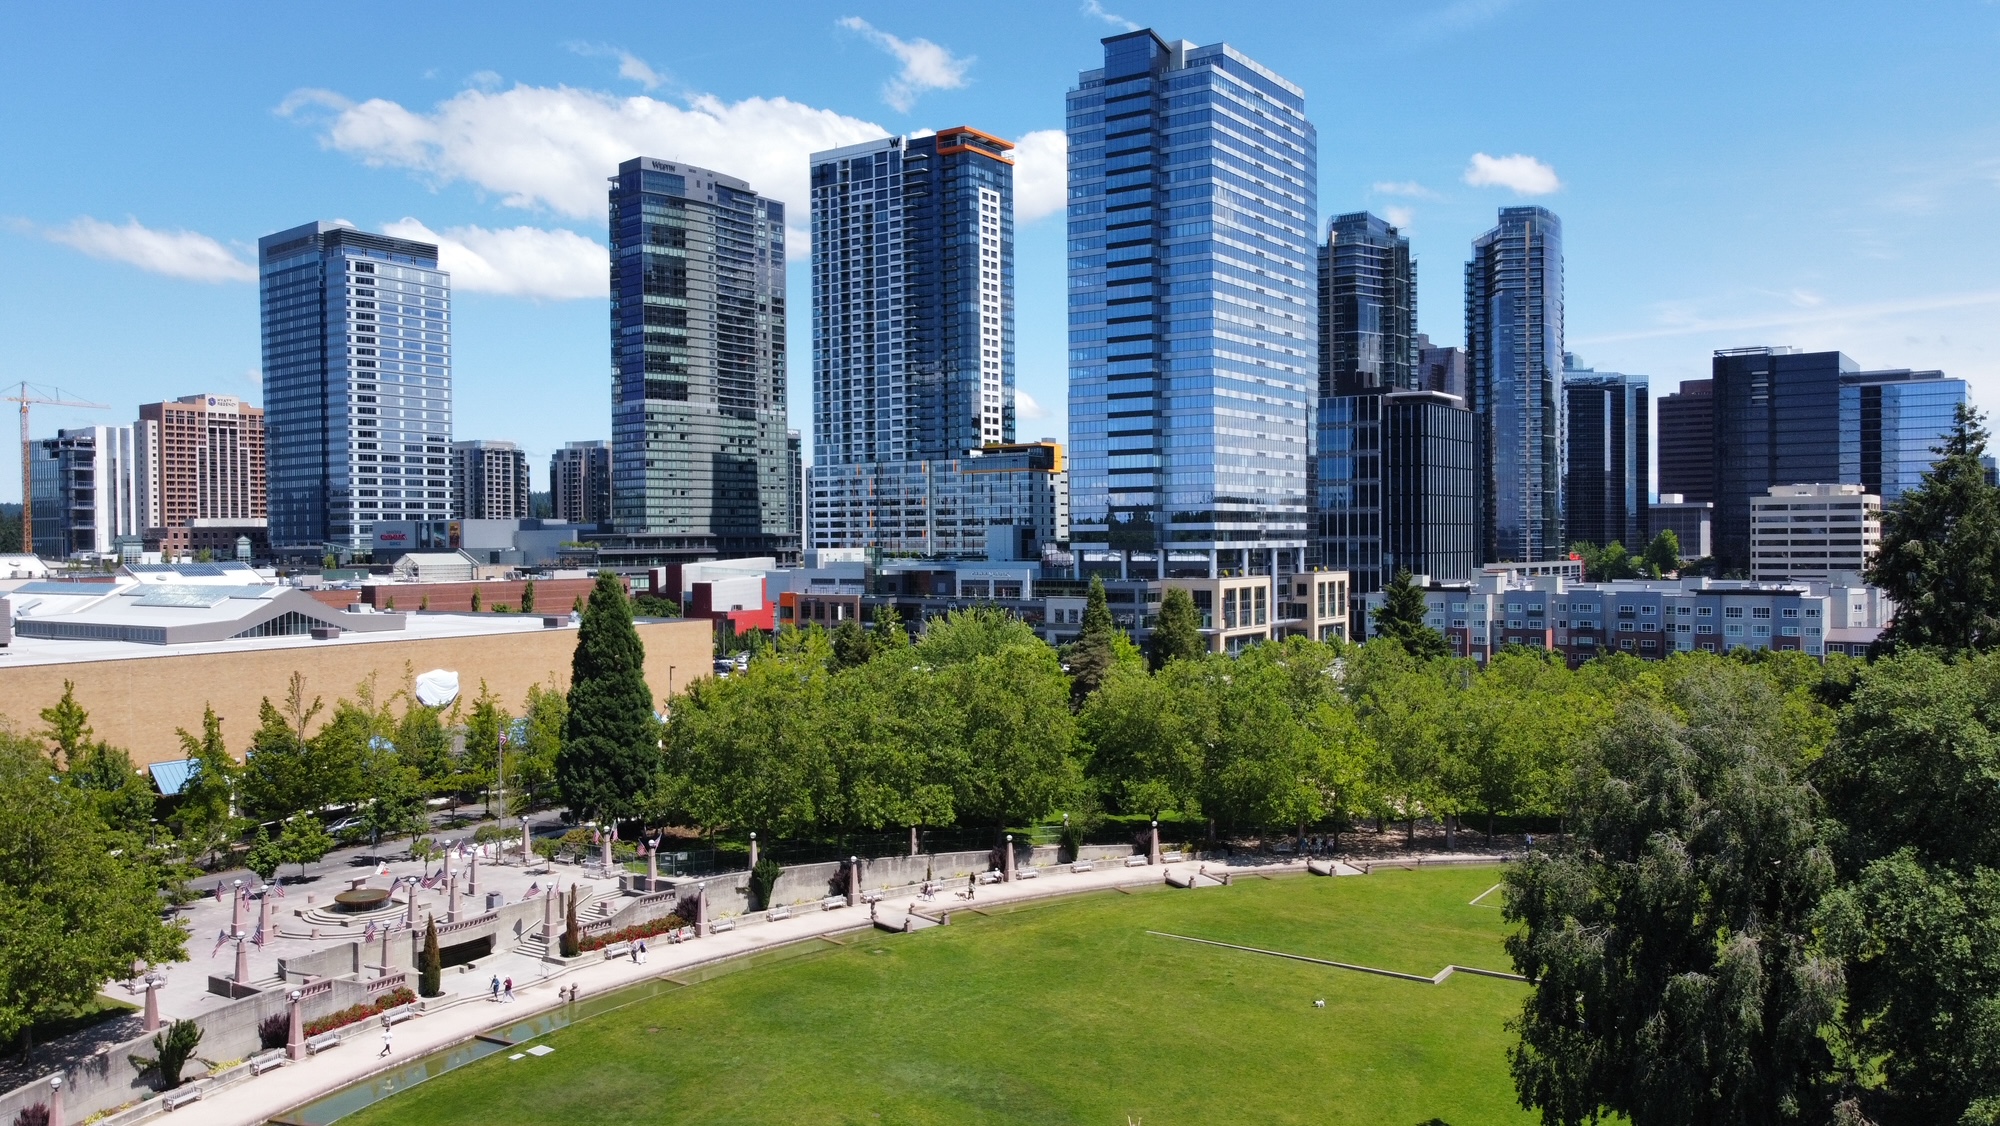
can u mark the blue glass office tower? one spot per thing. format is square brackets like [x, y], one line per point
[357, 387]
[1608, 490]
[1514, 354]
[699, 462]
[1192, 212]
[1785, 417]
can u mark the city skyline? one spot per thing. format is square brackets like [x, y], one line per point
[1778, 279]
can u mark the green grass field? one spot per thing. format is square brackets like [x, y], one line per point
[1064, 1012]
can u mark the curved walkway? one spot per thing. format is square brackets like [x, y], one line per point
[255, 1101]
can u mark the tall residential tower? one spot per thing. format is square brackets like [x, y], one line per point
[1514, 353]
[1192, 214]
[1609, 485]
[357, 386]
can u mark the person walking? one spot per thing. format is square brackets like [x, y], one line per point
[496, 987]
[510, 990]
[388, 1037]
[642, 951]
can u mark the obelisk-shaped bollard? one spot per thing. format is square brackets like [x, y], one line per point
[854, 881]
[472, 873]
[913, 840]
[153, 983]
[527, 844]
[701, 910]
[753, 852]
[609, 832]
[451, 902]
[385, 951]
[236, 909]
[549, 900]
[652, 869]
[264, 915]
[295, 1039]
[448, 854]
[410, 903]
[1153, 849]
[1007, 857]
[242, 958]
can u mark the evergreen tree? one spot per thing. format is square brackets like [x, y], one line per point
[610, 749]
[1177, 633]
[889, 633]
[475, 600]
[430, 964]
[572, 935]
[1093, 653]
[852, 645]
[1401, 619]
[528, 598]
[1940, 553]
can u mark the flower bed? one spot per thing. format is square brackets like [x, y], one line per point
[633, 933]
[361, 1012]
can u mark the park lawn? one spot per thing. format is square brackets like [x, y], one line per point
[1063, 1012]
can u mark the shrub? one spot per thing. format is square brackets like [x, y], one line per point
[274, 1031]
[763, 878]
[354, 1014]
[633, 933]
[176, 1046]
[36, 1115]
[622, 851]
[487, 834]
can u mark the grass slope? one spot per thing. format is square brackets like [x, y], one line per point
[1066, 1012]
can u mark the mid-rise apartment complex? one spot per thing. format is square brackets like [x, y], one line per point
[580, 483]
[490, 481]
[201, 475]
[700, 463]
[1192, 307]
[1006, 501]
[1813, 531]
[357, 385]
[1514, 354]
[1609, 460]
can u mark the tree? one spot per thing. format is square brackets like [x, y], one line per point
[175, 1047]
[1014, 749]
[1671, 950]
[1092, 654]
[206, 817]
[528, 597]
[430, 963]
[852, 645]
[1177, 633]
[888, 631]
[532, 766]
[483, 730]
[266, 855]
[1940, 554]
[68, 730]
[1148, 736]
[1663, 555]
[124, 799]
[610, 749]
[287, 772]
[304, 841]
[1401, 619]
[475, 600]
[967, 635]
[572, 935]
[77, 904]
[1910, 782]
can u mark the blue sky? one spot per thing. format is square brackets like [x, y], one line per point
[1825, 175]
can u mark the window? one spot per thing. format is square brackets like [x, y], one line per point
[1706, 612]
[1761, 630]
[1706, 627]
[1626, 627]
[1791, 611]
[1732, 612]
[1760, 611]
[1649, 610]
[1734, 629]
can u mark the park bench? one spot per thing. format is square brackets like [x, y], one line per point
[1171, 858]
[720, 925]
[777, 913]
[401, 1013]
[1081, 866]
[617, 950]
[992, 877]
[1135, 862]
[269, 1061]
[833, 902]
[871, 897]
[175, 1100]
[1028, 874]
[320, 1043]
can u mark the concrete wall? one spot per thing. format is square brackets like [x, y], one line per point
[137, 702]
[729, 894]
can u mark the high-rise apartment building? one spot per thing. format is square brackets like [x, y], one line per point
[1430, 494]
[1367, 307]
[913, 337]
[1439, 368]
[1785, 417]
[1514, 349]
[580, 483]
[489, 481]
[1610, 456]
[357, 385]
[698, 455]
[1686, 440]
[1192, 310]
[84, 485]
[201, 475]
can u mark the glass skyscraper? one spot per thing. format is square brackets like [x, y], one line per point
[357, 386]
[1514, 354]
[1890, 421]
[1192, 216]
[1609, 488]
[699, 466]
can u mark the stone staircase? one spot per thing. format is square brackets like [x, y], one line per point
[590, 908]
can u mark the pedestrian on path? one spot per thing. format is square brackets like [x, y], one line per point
[388, 1037]
[496, 987]
[642, 951]
[510, 990]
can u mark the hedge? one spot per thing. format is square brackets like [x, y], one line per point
[355, 1013]
[633, 933]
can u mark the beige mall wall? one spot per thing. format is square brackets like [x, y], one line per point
[137, 703]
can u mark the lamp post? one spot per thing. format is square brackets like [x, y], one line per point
[1153, 850]
[1007, 856]
[295, 1038]
[55, 1101]
[154, 981]
[753, 852]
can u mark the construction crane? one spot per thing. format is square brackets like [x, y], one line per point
[27, 492]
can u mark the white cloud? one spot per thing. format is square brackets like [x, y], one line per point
[1682, 320]
[552, 265]
[926, 66]
[1399, 217]
[1093, 8]
[1523, 174]
[1402, 187]
[1026, 408]
[629, 65]
[543, 147]
[1041, 175]
[175, 254]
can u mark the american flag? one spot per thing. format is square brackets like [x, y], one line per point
[221, 940]
[257, 937]
[278, 889]
[534, 890]
[431, 880]
[370, 935]
[218, 891]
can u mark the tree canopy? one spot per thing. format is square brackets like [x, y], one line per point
[1940, 554]
[611, 737]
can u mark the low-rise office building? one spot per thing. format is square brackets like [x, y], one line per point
[1813, 531]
